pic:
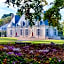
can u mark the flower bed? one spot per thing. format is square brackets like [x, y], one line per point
[32, 54]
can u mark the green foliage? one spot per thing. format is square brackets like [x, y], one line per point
[59, 3]
[62, 27]
[53, 14]
[1, 22]
[25, 7]
[5, 20]
[6, 15]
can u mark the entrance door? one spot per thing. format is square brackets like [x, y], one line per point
[32, 34]
[16, 34]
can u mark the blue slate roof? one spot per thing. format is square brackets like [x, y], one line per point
[44, 12]
[17, 18]
[41, 22]
[46, 22]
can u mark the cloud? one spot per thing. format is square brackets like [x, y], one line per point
[2, 1]
[5, 10]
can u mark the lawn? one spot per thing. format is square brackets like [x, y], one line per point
[5, 40]
[46, 41]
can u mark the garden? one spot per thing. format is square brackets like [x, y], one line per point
[32, 53]
[13, 51]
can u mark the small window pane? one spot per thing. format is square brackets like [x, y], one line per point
[46, 32]
[38, 31]
[10, 32]
[21, 32]
[26, 32]
[54, 31]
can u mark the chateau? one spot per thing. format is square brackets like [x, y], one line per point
[19, 28]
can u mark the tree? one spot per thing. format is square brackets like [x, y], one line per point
[63, 27]
[6, 15]
[31, 8]
[1, 22]
[53, 14]
[5, 20]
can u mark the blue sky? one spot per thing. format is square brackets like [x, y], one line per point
[5, 10]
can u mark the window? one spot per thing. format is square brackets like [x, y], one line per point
[26, 31]
[46, 32]
[23, 23]
[54, 31]
[10, 32]
[38, 32]
[21, 31]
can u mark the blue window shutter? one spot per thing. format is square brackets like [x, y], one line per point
[41, 22]
[23, 23]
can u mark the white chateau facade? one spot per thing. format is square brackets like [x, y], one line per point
[19, 28]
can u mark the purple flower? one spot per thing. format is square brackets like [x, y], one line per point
[31, 51]
[10, 53]
[18, 54]
[10, 47]
[25, 47]
[59, 60]
[44, 51]
[16, 49]
[54, 50]
[13, 63]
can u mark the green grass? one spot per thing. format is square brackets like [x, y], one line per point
[46, 41]
[5, 40]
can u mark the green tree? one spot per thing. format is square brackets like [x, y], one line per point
[1, 22]
[6, 15]
[31, 8]
[53, 14]
[63, 27]
[5, 20]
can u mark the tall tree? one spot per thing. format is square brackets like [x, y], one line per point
[6, 15]
[31, 8]
[53, 14]
[63, 27]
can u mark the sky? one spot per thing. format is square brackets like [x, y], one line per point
[5, 10]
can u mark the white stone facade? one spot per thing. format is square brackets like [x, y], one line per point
[35, 33]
